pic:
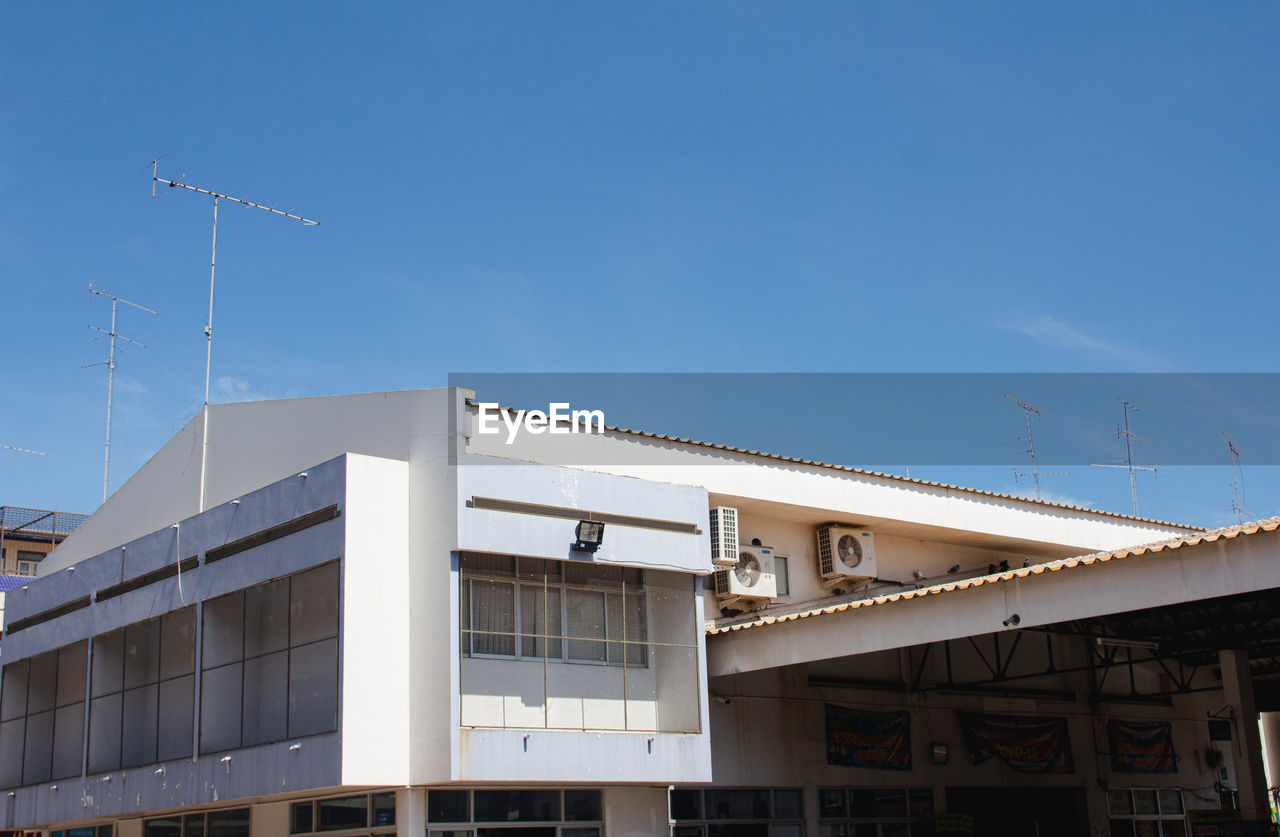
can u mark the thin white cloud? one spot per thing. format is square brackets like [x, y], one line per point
[131, 386]
[229, 389]
[1048, 330]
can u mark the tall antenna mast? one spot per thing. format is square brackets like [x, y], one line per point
[208, 328]
[1122, 431]
[1030, 449]
[1237, 484]
[110, 363]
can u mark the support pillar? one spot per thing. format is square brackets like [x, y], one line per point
[411, 812]
[1237, 686]
[1271, 747]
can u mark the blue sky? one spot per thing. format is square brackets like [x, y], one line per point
[641, 187]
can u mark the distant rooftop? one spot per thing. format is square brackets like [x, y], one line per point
[12, 582]
[15, 520]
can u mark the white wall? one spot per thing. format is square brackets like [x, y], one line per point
[375, 623]
[507, 533]
[635, 812]
[251, 444]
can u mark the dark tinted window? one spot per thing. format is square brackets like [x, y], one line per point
[517, 805]
[300, 818]
[347, 812]
[686, 805]
[447, 806]
[582, 805]
[234, 823]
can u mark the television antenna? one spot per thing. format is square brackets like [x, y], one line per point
[1237, 483]
[208, 328]
[110, 363]
[1030, 449]
[1123, 432]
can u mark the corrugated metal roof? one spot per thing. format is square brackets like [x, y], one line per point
[863, 472]
[728, 625]
[12, 582]
[777, 457]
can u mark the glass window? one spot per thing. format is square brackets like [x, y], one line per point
[831, 803]
[233, 823]
[581, 613]
[731, 812]
[344, 812]
[788, 803]
[686, 804]
[28, 562]
[1170, 801]
[447, 806]
[582, 805]
[384, 809]
[1146, 812]
[221, 823]
[301, 819]
[782, 574]
[736, 804]
[877, 812]
[516, 805]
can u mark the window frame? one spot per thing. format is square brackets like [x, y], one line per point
[704, 821]
[634, 652]
[782, 579]
[471, 826]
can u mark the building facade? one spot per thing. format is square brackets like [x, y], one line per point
[385, 622]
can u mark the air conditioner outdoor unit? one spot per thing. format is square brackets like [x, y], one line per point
[846, 557]
[724, 536]
[750, 578]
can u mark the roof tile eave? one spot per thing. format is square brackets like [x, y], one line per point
[1228, 533]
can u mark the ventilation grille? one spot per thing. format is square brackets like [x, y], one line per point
[826, 554]
[724, 535]
[722, 582]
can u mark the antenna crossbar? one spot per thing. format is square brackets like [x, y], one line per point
[1123, 432]
[24, 450]
[1029, 410]
[174, 184]
[213, 257]
[110, 363]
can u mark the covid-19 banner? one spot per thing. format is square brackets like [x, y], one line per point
[1142, 747]
[878, 740]
[1027, 744]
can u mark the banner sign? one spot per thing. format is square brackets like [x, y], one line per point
[878, 740]
[1029, 745]
[1142, 747]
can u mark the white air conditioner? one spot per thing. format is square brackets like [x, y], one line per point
[751, 576]
[846, 557]
[724, 536]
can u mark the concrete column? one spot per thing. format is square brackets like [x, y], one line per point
[411, 812]
[1237, 686]
[1271, 747]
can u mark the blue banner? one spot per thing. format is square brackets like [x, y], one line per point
[1142, 747]
[876, 740]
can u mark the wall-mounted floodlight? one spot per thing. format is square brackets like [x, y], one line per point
[590, 535]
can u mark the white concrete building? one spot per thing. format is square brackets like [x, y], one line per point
[380, 623]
